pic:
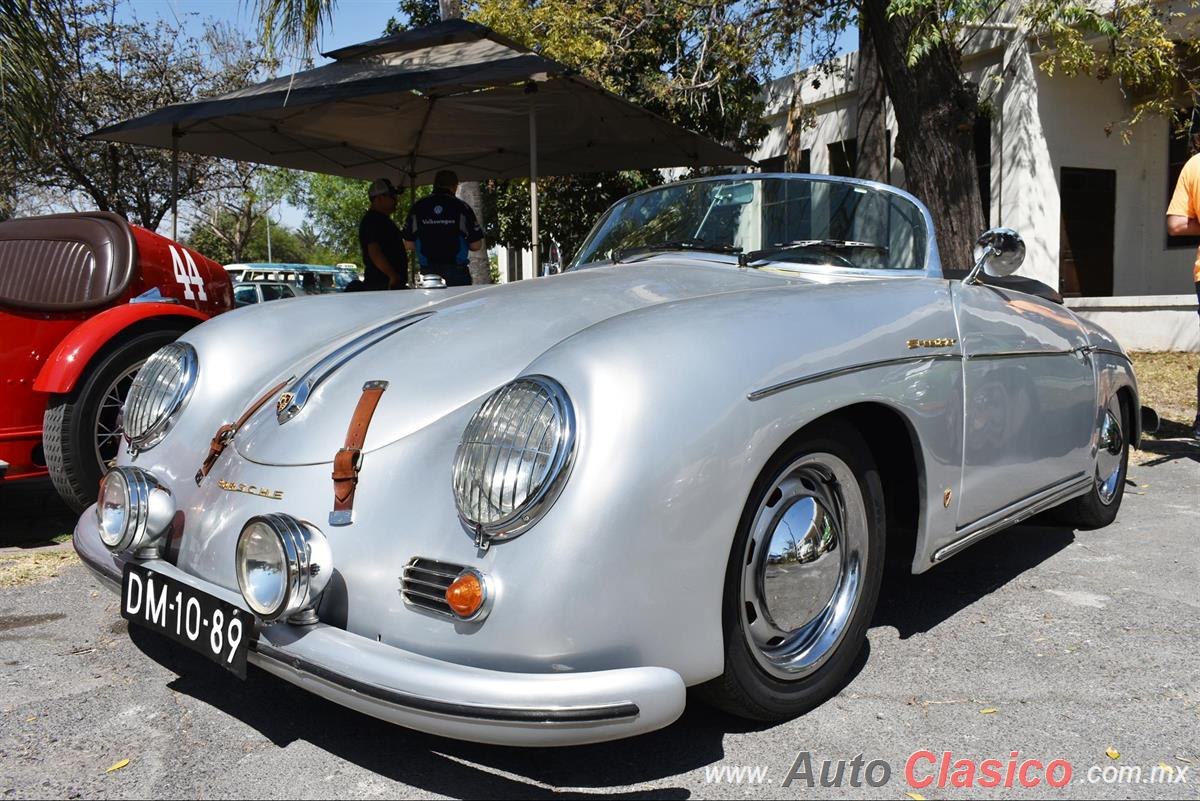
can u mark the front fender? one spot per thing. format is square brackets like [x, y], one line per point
[66, 364]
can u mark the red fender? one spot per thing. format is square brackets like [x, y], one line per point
[68, 361]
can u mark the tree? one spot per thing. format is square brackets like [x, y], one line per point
[919, 45]
[29, 66]
[107, 71]
[335, 207]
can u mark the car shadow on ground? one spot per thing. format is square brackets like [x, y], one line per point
[283, 713]
[32, 514]
[915, 604]
[1173, 440]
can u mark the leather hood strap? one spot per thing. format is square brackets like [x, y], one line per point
[347, 462]
[227, 431]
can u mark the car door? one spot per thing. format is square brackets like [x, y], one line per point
[1029, 398]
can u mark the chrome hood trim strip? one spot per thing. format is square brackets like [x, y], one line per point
[299, 391]
[765, 392]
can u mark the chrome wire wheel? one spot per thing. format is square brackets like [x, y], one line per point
[107, 426]
[803, 566]
[1110, 452]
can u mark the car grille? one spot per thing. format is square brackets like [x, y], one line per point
[424, 582]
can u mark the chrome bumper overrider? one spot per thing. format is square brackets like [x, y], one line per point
[431, 695]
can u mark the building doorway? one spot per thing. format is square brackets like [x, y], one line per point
[1086, 238]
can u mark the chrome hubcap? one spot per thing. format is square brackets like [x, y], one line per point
[108, 416]
[803, 566]
[1110, 453]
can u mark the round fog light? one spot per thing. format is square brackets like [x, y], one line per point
[282, 565]
[133, 512]
[468, 595]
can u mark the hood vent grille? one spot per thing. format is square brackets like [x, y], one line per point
[424, 583]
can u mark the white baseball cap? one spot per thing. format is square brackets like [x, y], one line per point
[382, 186]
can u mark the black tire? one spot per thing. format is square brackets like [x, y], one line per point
[70, 423]
[746, 689]
[1090, 511]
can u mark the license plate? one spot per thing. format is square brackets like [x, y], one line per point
[207, 625]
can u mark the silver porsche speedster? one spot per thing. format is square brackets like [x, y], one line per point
[537, 513]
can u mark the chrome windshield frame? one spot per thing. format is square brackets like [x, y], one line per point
[933, 261]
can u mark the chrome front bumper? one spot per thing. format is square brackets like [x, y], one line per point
[443, 698]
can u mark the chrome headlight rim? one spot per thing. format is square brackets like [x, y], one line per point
[537, 503]
[149, 508]
[307, 566]
[189, 367]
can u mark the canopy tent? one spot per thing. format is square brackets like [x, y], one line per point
[454, 95]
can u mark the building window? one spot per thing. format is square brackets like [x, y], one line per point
[983, 163]
[779, 163]
[843, 157]
[1182, 143]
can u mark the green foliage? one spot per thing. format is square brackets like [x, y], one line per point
[335, 206]
[299, 247]
[1150, 49]
[414, 14]
[700, 65]
[568, 206]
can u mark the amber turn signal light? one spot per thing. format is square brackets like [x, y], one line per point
[467, 594]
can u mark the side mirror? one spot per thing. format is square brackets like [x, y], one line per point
[999, 252]
[430, 281]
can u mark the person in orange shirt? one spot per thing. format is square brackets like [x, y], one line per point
[1183, 219]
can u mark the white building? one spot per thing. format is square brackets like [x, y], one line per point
[1090, 207]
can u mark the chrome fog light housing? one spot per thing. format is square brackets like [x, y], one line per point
[158, 393]
[282, 566]
[514, 457]
[134, 512]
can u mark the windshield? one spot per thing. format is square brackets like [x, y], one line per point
[800, 220]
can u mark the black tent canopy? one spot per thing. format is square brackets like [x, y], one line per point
[454, 95]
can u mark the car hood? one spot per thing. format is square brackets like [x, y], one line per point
[460, 348]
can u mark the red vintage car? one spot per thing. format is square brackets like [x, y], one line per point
[85, 298]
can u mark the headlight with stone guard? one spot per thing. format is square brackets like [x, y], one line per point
[514, 457]
[158, 393]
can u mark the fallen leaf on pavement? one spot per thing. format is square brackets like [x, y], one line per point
[1113, 753]
[989, 711]
[118, 765]
[915, 796]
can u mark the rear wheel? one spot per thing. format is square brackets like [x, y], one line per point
[1100, 505]
[80, 429]
[803, 578]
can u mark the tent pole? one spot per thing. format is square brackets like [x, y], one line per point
[175, 183]
[414, 269]
[533, 192]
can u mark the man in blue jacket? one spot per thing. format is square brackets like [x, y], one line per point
[443, 230]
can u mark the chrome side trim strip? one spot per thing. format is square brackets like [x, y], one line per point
[603, 713]
[759, 394]
[1039, 501]
[1016, 354]
[299, 391]
[1110, 352]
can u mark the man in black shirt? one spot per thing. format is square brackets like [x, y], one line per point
[443, 230]
[384, 258]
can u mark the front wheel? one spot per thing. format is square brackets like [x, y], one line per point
[803, 578]
[80, 430]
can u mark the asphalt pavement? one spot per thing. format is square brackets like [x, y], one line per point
[1058, 645]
